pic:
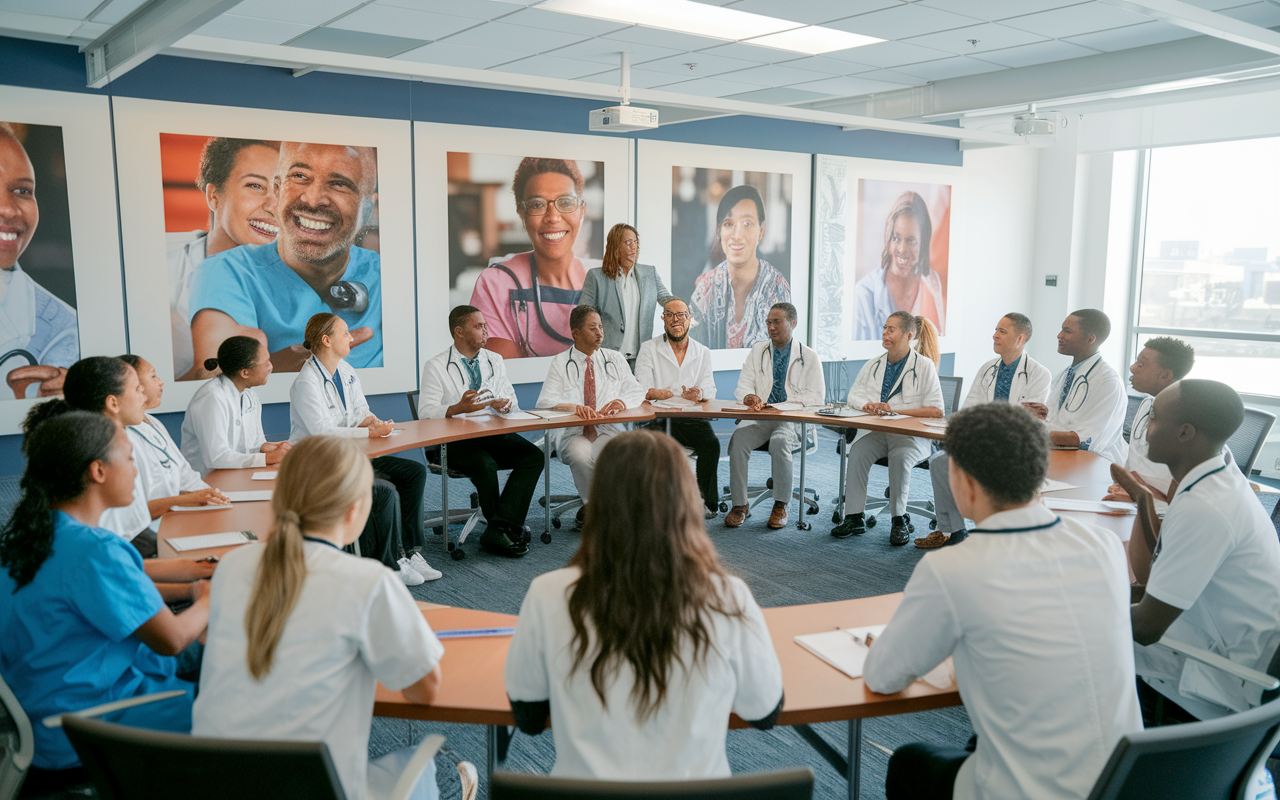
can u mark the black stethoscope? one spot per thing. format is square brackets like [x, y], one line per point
[1075, 398]
[902, 381]
[464, 380]
[328, 381]
[574, 362]
[520, 306]
[1139, 429]
[993, 372]
[166, 460]
[766, 362]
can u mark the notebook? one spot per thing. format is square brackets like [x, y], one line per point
[229, 539]
[841, 648]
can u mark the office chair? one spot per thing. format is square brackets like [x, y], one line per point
[17, 744]
[757, 494]
[786, 784]
[561, 504]
[1130, 412]
[1246, 443]
[951, 387]
[469, 517]
[135, 764]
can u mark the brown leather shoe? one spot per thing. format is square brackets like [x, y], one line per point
[935, 539]
[736, 516]
[778, 517]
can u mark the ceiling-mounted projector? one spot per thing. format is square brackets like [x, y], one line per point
[618, 119]
[1032, 124]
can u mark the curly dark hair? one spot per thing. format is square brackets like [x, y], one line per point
[59, 452]
[578, 316]
[1175, 355]
[218, 158]
[1003, 447]
[536, 166]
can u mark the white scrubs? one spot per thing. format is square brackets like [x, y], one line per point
[1093, 408]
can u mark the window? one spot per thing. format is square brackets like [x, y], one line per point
[1209, 271]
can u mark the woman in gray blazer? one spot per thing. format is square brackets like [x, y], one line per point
[625, 293]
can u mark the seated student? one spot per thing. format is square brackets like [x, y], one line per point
[326, 399]
[300, 632]
[1011, 377]
[222, 428]
[778, 370]
[80, 622]
[1213, 568]
[1087, 400]
[674, 364]
[642, 691]
[1032, 610]
[594, 383]
[902, 381]
[466, 379]
[109, 386]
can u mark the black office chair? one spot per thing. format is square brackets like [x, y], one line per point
[470, 517]
[1246, 443]
[135, 764]
[1210, 760]
[786, 784]
[1135, 400]
[757, 494]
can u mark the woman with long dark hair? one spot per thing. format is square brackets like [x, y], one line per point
[643, 645]
[80, 622]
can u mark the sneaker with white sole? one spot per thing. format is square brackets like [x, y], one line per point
[408, 574]
[419, 565]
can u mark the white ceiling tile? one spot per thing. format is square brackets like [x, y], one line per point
[550, 67]
[67, 9]
[903, 21]
[1132, 36]
[827, 66]
[514, 38]
[990, 36]
[609, 51]
[851, 87]
[301, 12]
[751, 52]
[1216, 5]
[456, 55]
[566, 23]
[640, 78]
[709, 87]
[888, 54]
[956, 67]
[705, 65]
[1038, 53]
[775, 75]
[248, 29]
[997, 9]
[676, 41]
[780, 97]
[813, 12]
[1075, 20]
[472, 9]
[891, 76]
[361, 43]
[409, 22]
[117, 10]
[1266, 15]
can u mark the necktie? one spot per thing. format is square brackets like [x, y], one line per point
[1066, 386]
[473, 372]
[589, 397]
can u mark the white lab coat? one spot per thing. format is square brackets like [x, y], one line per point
[184, 252]
[33, 320]
[315, 408]
[805, 383]
[1094, 408]
[614, 381]
[918, 381]
[1030, 384]
[223, 428]
[657, 368]
[161, 467]
[1157, 475]
[444, 379]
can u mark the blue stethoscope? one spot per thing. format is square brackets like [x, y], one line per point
[166, 460]
[607, 366]
[464, 381]
[989, 377]
[910, 370]
[329, 381]
[1075, 397]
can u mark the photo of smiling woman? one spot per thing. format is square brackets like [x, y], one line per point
[905, 268]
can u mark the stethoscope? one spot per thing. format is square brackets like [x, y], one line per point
[989, 377]
[574, 363]
[902, 381]
[328, 381]
[166, 460]
[1139, 429]
[766, 362]
[520, 306]
[1075, 397]
[463, 380]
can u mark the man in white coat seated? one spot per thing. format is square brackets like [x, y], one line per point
[593, 383]
[902, 381]
[1032, 610]
[1011, 377]
[779, 370]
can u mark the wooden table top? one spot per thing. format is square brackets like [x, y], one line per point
[473, 689]
[716, 409]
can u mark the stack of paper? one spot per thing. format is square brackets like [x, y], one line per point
[842, 648]
[785, 406]
[1050, 485]
[184, 543]
[1096, 506]
[549, 413]
[940, 424]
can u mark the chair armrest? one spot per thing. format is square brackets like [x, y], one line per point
[1267, 682]
[55, 721]
[413, 770]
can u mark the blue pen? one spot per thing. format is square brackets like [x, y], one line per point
[474, 633]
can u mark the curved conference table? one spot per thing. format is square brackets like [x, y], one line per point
[815, 692]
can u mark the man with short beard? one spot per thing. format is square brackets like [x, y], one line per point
[326, 194]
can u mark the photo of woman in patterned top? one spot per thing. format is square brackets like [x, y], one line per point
[730, 302]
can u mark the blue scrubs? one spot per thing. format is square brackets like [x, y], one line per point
[253, 286]
[66, 639]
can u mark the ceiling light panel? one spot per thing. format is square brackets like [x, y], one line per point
[813, 40]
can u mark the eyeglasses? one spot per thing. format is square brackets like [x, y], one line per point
[675, 315]
[565, 204]
[630, 242]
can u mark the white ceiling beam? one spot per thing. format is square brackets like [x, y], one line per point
[149, 29]
[1209, 23]
[221, 49]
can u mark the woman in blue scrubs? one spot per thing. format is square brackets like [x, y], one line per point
[80, 622]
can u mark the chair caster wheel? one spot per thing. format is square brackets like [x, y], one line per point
[458, 554]
[871, 522]
[803, 526]
[911, 528]
[933, 523]
[546, 538]
[836, 519]
[811, 510]
[555, 523]
[438, 531]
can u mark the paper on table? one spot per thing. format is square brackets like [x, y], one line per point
[549, 413]
[1096, 506]
[517, 415]
[270, 475]
[252, 496]
[839, 648]
[1050, 485]
[733, 407]
[230, 538]
[786, 406]
[394, 432]
[893, 416]
[209, 507]
[940, 424]
[675, 402]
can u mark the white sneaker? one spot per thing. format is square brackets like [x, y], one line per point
[419, 565]
[408, 574]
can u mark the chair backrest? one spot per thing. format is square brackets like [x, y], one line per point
[17, 743]
[834, 376]
[1135, 400]
[787, 784]
[1246, 443]
[1275, 520]
[412, 397]
[134, 764]
[951, 386]
[1210, 760]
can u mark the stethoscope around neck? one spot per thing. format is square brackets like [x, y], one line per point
[989, 377]
[521, 307]
[327, 382]
[1075, 397]
[463, 380]
[608, 365]
[766, 361]
[902, 380]
[166, 460]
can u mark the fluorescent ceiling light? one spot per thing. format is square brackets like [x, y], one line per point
[715, 22]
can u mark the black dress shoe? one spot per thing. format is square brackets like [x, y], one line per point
[853, 525]
[901, 532]
[500, 544]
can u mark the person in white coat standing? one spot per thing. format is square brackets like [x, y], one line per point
[902, 381]
[779, 370]
[1011, 377]
[326, 398]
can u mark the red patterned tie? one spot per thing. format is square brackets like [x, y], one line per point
[589, 397]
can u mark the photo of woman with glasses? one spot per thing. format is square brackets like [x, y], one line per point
[526, 299]
[625, 293]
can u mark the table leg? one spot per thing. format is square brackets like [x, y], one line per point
[444, 494]
[546, 486]
[855, 758]
[668, 426]
[848, 766]
[800, 523]
[844, 446]
[497, 741]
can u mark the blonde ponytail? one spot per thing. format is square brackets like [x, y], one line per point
[927, 340]
[319, 480]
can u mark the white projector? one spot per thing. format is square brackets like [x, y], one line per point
[623, 118]
[1032, 125]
